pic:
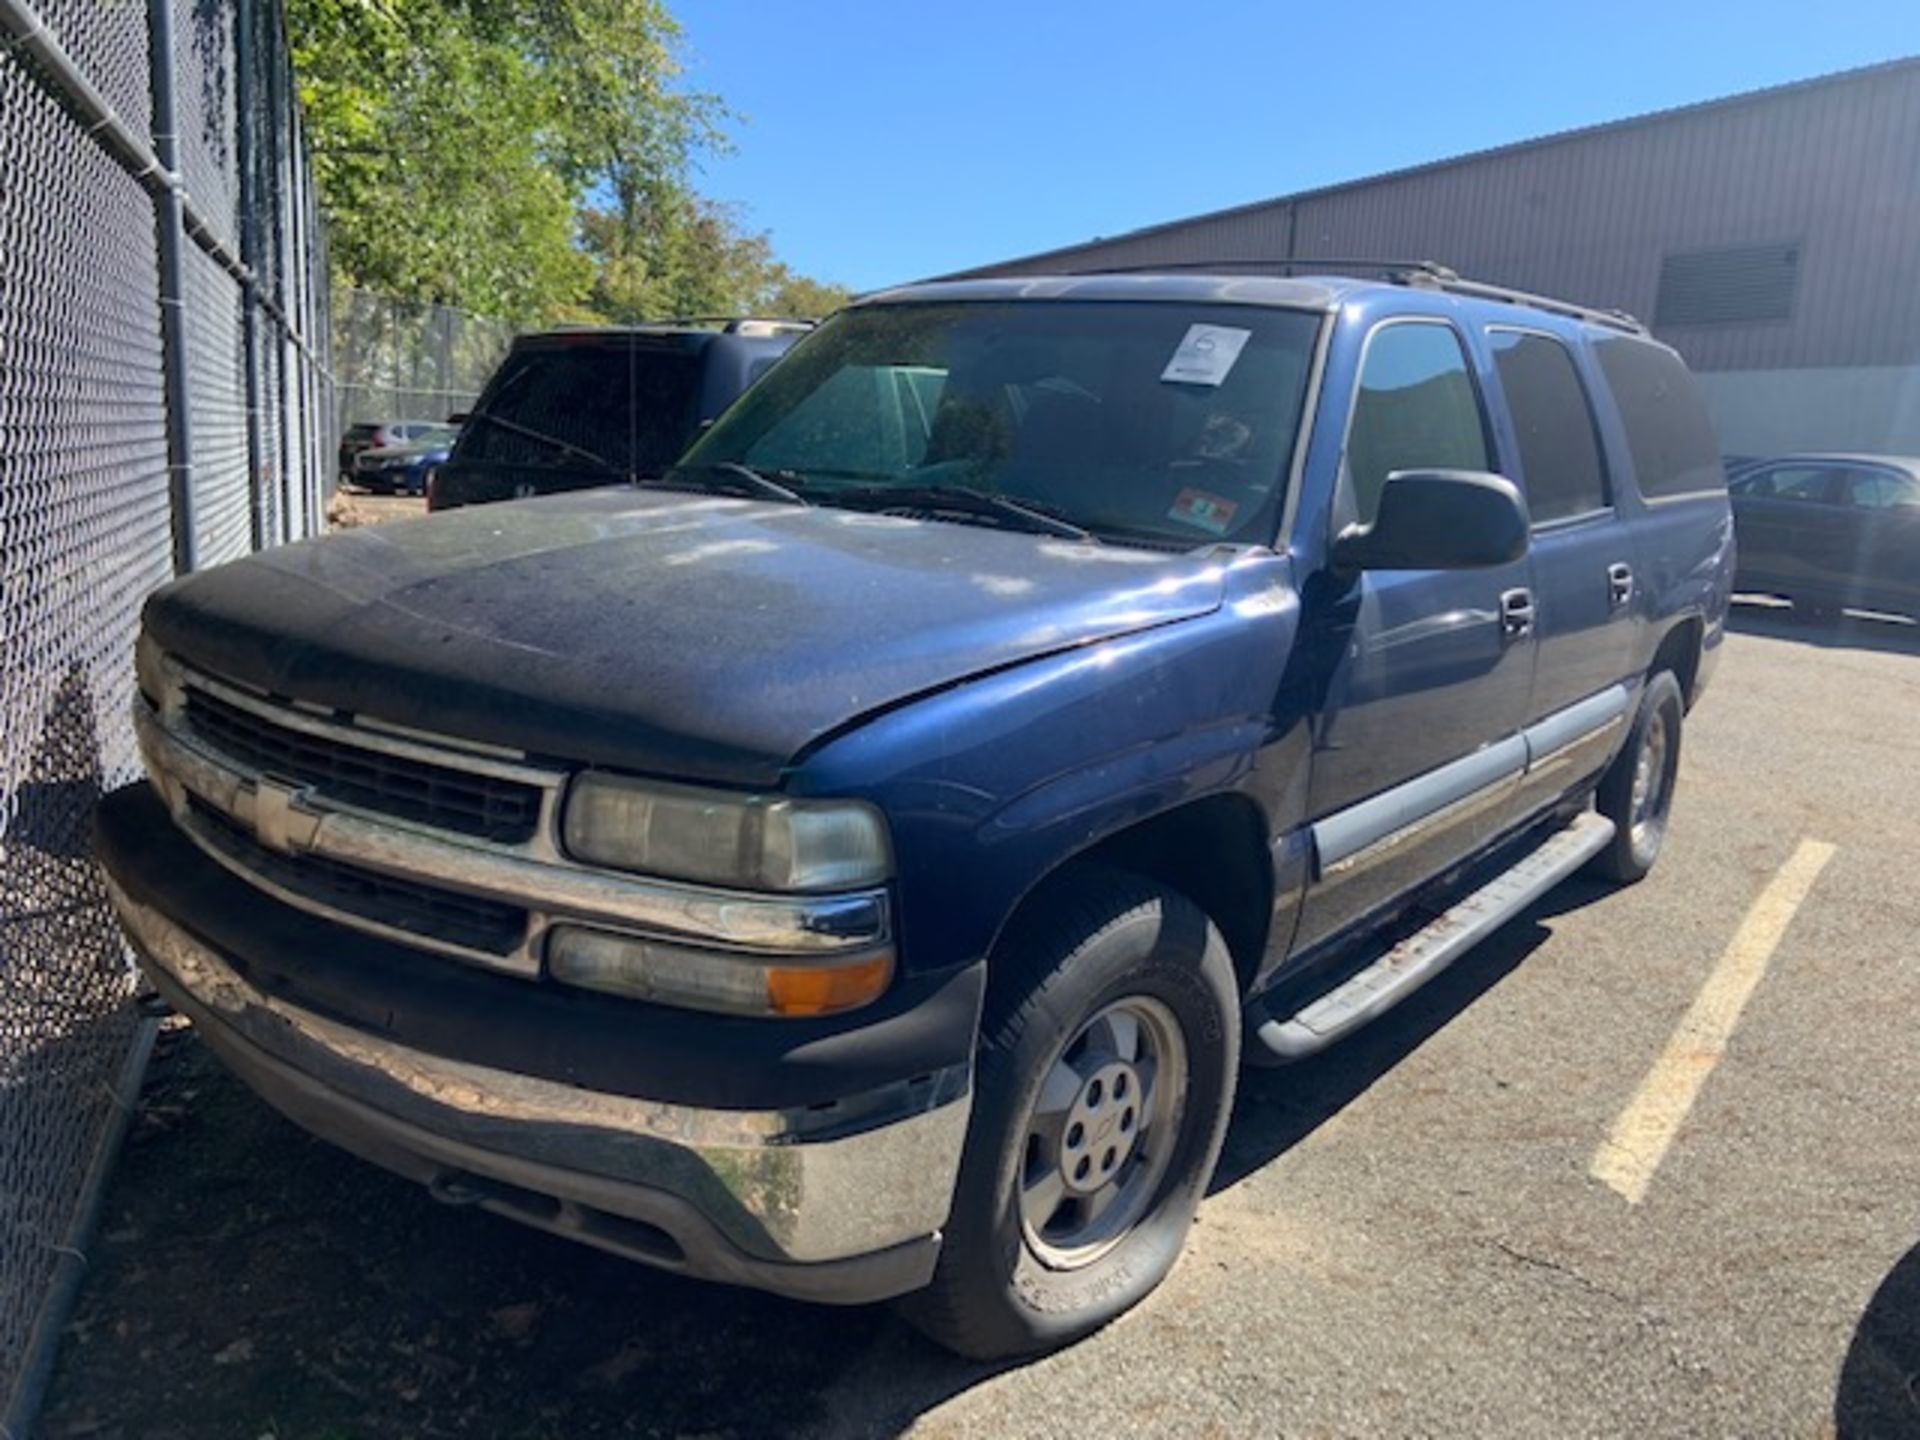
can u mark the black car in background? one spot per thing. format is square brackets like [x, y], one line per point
[574, 408]
[402, 468]
[1831, 531]
[380, 434]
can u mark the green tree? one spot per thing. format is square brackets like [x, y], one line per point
[672, 252]
[802, 295]
[521, 158]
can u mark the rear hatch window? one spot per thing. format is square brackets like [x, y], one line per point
[1668, 433]
[629, 406]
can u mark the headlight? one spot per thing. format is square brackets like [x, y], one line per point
[748, 842]
[148, 672]
[670, 974]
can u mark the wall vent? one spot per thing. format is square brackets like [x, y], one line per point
[1727, 285]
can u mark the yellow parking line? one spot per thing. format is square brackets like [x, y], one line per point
[1638, 1142]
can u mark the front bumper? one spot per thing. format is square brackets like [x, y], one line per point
[840, 1203]
[391, 481]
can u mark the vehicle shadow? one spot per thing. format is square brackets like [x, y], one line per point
[1887, 635]
[251, 1279]
[1879, 1391]
[1278, 1108]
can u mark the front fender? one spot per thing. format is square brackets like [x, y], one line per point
[991, 785]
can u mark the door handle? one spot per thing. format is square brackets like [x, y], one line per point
[1619, 583]
[1516, 613]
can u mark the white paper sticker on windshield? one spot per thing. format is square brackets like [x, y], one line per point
[1206, 355]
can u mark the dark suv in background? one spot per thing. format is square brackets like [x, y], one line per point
[856, 862]
[574, 408]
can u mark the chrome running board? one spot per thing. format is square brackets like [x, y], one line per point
[1408, 965]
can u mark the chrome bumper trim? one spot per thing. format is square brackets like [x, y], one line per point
[549, 886]
[800, 1186]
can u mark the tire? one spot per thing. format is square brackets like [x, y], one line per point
[1099, 949]
[1640, 821]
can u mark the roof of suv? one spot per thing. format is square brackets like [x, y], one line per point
[1313, 292]
[1204, 284]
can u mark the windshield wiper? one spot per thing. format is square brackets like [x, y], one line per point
[732, 475]
[963, 500]
[554, 441]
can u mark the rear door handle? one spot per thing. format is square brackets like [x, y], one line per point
[1619, 583]
[1516, 613]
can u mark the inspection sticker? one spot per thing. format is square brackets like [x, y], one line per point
[1206, 355]
[1211, 513]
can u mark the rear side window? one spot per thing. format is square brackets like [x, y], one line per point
[1787, 482]
[1878, 489]
[1559, 450]
[626, 407]
[1668, 433]
[1416, 409]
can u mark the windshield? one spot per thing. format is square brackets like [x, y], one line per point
[630, 407]
[1169, 424]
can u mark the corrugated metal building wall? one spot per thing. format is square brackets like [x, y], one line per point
[1787, 223]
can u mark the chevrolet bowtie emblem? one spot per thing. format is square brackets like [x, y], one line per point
[279, 821]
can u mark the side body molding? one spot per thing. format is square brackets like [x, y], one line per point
[1345, 837]
[1580, 722]
[1574, 742]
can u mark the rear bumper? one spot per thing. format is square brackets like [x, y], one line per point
[841, 1202]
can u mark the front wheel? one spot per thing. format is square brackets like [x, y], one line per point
[1106, 1070]
[1636, 793]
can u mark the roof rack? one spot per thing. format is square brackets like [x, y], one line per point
[1422, 274]
[1391, 268]
[1455, 284]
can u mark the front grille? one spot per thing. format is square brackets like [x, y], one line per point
[443, 796]
[447, 916]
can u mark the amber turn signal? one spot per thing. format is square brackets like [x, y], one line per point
[825, 989]
[703, 979]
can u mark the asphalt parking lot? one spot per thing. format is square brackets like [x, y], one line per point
[1649, 1163]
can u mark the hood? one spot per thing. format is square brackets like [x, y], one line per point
[668, 633]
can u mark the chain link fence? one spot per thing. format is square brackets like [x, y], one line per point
[397, 360]
[165, 403]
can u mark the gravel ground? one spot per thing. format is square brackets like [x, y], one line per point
[350, 509]
[1404, 1238]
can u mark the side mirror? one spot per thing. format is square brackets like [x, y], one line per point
[1438, 520]
[459, 417]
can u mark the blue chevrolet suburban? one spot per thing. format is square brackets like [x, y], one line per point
[857, 862]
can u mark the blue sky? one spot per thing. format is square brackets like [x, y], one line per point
[888, 142]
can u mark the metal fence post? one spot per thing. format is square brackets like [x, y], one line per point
[278, 100]
[245, 158]
[170, 221]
